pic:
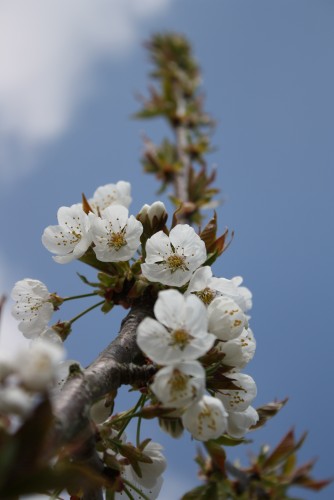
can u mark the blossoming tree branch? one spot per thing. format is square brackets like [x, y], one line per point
[184, 344]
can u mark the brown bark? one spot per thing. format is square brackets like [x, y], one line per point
[120, 363]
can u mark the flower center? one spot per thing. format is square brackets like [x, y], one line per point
[76, 235]
[117, 240]
[175, 262]
[206, 295]
[178, 382]
[180, 338]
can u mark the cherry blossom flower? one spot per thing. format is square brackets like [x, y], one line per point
[33, 307]
[238, 352]
[116, 236]
[50, 335]
[179, 385]
[71, 238]
[150, 471]
[179, 332]
[239, 423]
[208, 287]
[206, 419]
[156, 210]
[111, 194]
[171, 260]
[37, 367]
[237, 400]
[226, 319]
[99, 412]
[15, 400]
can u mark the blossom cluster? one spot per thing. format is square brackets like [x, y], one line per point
[195, 313]
[198, 317]
[115, 235]
[185, 329]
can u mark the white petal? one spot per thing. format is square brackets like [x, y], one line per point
[238, 399]
[226, 319]
[162, 274]
[111, 194]
[151, 471]
[196, 317]
[117, 215]
[179, 385]
[206, 419]
[238, 352]
[199, 279]
[170, 308]
[157, 248]
[239, 423]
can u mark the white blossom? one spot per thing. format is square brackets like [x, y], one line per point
[239, 423]
[150, 471]
[99, 412]
[206, 419]
[180, 384]
[208, 287]
[226, 319]
[157, 209]
[50, 335]
[32, 306]
[71, 238]
[37, 367]
[116, 236]
[15, 400]
[236, 400]
[238, 352]
[171, 260]
[111, 194]
[243, 296]
[61, 374]
[179, 332]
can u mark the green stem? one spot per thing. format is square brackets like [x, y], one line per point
[132, 414]
[143, 398]
[80, 296]
[86, 311]
[137, 490]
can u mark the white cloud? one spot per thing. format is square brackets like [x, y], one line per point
[48, 48]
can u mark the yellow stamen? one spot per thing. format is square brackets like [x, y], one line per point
[117, 240]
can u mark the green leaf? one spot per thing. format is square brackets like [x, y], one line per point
[107, 307]
[226, 440]
[85, 280]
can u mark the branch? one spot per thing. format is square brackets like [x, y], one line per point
[181, 178]
[120, 363]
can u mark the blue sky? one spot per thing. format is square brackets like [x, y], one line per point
[67, 83]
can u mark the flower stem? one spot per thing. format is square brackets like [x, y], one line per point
[71, 321]
[131, 414]
[137, 490]
[80, 296]
[143, 399]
